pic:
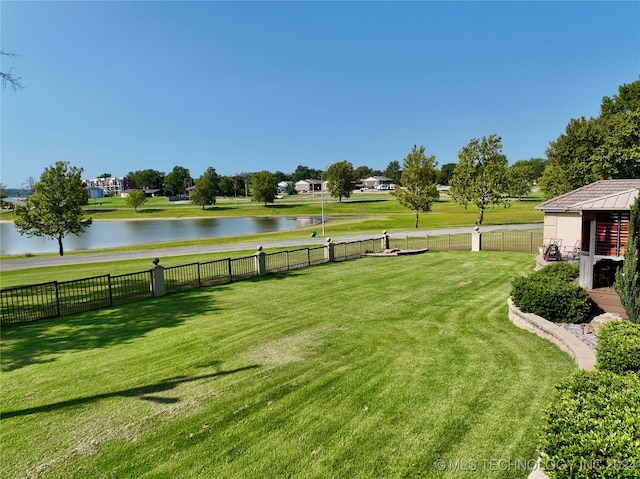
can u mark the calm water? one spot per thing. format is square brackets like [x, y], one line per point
[111, 234]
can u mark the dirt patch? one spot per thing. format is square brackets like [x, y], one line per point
[288, 349]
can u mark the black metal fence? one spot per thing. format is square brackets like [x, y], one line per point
[58, 298]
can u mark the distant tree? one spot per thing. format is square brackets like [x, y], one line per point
[305, 173]
[3, 195]
[55, 208]
[605, 147]
[520, 176]
[264, 187]
[480, 177]
[538, 165]
[147, 179]
[340, 179]
[418, 180]
[206, 188]
[627, 283]
[446, 173]
[7, 77]
[362, 172]
[291, 189]
[29, 184]
[105, 175]
[280, 176]
[177, 182]
[135, 198]
[393, 171]
[553, 182]
[227, 186]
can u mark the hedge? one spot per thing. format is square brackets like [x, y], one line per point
[619, 347]
[593, 428]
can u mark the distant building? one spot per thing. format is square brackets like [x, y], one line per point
[307, 186]
[112, 185]
[378, 182]
[95, 192]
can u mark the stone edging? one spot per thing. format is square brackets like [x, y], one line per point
[580, 352]
[566, 341]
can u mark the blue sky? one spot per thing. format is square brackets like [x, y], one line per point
[119, 86]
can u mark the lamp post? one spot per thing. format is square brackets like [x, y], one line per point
[322, 192]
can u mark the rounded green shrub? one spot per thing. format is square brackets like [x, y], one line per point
[619, 347]
[593, 428]
[553, 299]
[561, 271]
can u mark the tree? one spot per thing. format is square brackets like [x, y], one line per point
[305, 173]
[446, 173]
[7, 77]
[606, 147]
[3, 195]
[135, 198]
[291, 189]
[264, 187]
[105, 175]
[147, 179]
[627, 283]
[480, 177]
[340, 179]
[227, 186]
[177, 182]
[362, 172]
[206, 188]
[520, 176]
[55, 208]
[418, 181]
[29, 184]
[393, 171]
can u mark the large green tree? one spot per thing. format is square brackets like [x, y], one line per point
[446, 173]
[418, 180]
[340, 179]
[362, 172]
[627, 283]
[206, 188]
[605, 147]
[264, 187]
[177, 182]
[393, 171]
[521, 176]
[305, 173]
[147, 179]
[55, 208]
[480, 177]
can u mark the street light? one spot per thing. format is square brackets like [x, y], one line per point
[322, 192]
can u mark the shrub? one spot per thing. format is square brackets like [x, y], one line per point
[593, 428]
[554, 300]
[561, 271]
[619, 347]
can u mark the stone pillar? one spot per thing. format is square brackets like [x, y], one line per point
[261, 264]
[157, 279]
[385, 240]
[476, 240]
[329, 253]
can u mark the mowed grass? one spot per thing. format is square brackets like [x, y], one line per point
[374, 368]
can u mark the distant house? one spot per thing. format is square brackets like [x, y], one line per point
[595, 218]
[307, 186]
[378, 182]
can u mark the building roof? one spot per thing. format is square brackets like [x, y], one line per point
[378, 178]
[601, 195]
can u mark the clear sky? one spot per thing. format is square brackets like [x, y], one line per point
[120, 86]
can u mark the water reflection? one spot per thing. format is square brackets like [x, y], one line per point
[111, 234]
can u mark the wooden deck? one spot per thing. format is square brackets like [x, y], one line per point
[606, 300]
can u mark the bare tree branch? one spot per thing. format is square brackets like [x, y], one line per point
[7, 77]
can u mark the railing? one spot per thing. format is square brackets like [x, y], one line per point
[48, 300]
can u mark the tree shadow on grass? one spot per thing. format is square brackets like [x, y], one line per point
[44, 341]
[148, 392]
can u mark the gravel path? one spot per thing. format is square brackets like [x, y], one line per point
[580, 331]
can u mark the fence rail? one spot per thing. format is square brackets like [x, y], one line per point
[48, 300]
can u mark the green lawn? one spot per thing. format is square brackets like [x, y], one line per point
[370, 368]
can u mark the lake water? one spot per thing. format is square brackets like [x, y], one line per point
[111, 234]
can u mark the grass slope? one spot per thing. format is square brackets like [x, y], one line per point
[371, 368]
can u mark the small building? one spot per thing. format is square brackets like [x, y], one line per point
[595, 219]
[378, 183]
[95, 192]
[308, 186]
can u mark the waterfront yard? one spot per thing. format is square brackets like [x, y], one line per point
[380, 367]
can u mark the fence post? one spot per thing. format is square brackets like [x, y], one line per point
[261, 268]
[385, 240]
[156, 277]
[476, 240]
[329, 251]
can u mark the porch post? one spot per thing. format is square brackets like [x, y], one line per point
[586, 270]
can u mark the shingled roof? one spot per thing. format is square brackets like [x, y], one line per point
[601, 195]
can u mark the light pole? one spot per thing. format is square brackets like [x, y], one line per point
[322, 192]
